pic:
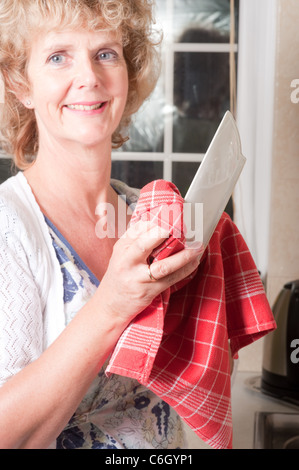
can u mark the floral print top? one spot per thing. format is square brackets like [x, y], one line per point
[117, 412]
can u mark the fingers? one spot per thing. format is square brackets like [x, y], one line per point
[175, 267]
[140, 240]
[137, 285]
[144, 237]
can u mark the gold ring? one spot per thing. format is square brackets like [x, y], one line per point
[152, 278]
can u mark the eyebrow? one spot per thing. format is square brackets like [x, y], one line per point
[56, 47]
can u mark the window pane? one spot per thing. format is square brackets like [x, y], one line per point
[147, 128]
[201, 97]
[182, 175]
[209, 14]
[137, 173]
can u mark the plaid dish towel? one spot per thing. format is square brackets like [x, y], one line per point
[179, 346]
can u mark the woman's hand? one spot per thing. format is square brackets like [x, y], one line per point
[127, 287]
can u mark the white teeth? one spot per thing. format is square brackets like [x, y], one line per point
[81, 107]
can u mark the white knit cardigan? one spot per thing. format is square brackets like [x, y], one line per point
[31, 282]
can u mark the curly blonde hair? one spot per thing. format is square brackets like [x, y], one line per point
[22, 20]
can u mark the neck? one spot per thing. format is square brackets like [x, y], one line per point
[80, 180]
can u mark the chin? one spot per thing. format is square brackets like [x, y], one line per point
[92, 139]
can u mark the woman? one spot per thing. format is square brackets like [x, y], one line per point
[74, 72]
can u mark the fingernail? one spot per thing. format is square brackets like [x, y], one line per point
[197, 246]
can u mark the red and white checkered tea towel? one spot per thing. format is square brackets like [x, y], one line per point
[179, 346]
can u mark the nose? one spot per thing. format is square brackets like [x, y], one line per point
[87, 74]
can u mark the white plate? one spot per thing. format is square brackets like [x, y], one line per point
[213, 182]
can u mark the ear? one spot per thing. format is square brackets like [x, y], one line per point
[26, 101]
[21, 92]
[24, 97]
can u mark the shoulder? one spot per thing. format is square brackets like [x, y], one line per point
[12, 208]
[17, 204]
[22, 223]
[131, 194]
[12, 200]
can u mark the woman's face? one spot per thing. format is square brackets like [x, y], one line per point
[79, 86]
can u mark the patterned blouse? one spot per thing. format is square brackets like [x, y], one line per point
[117, 412]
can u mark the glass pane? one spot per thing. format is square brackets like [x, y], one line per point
[208, 14]
[182, 175]
[147, 128]
[201, 97]
[136, 173]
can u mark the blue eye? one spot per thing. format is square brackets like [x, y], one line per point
[56, 59]
[107, 55]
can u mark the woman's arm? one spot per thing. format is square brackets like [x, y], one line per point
[37, 402]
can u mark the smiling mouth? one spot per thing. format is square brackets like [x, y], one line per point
[83, 107]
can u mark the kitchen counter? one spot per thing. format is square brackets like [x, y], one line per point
[246, 401]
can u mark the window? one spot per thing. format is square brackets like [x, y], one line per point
[171, 132]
